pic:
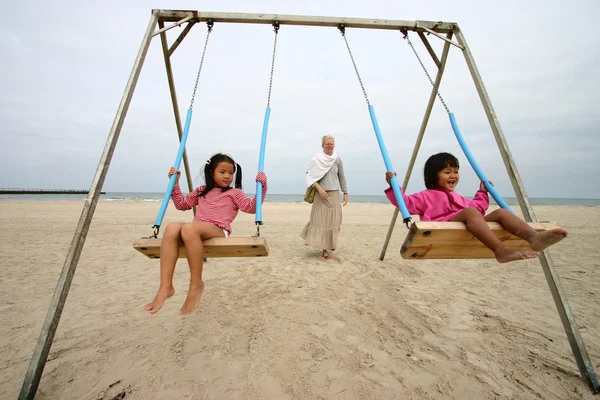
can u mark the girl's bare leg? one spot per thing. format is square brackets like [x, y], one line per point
[193, 233]
[477, 225]
[169, 252]
[513, 224]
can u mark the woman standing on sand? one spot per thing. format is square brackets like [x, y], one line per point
[326, 175]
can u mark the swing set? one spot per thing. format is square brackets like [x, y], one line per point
[424, 239]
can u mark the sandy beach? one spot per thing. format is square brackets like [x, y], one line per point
[292, 325]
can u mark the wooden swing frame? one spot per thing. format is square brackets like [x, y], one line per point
[180, 17]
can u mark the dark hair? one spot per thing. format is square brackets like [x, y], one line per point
[209, 169]
[435, 164]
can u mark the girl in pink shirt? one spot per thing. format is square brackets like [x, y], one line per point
[217, 206]
[440, 203]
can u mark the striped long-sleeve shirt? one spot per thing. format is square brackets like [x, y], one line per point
[218, 207]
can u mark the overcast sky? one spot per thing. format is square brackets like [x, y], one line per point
[65, 65]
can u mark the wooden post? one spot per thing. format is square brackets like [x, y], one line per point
[42, 349]
[430, 49]
[178, 23]
[172, 90]
[443, 38]
[180, 38]
[586, 368]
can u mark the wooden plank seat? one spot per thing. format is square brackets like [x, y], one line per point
[213, 248]
[452, 240]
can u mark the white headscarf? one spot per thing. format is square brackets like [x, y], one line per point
[320, 164]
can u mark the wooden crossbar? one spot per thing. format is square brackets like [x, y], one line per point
[452, 240]
[302, 20]
[213, 248]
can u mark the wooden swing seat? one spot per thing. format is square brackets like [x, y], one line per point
[213, 248]
[452, 240]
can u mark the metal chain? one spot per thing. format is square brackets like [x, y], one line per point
[405, 33]
[276, 30]
[342, 29]
[209, 24]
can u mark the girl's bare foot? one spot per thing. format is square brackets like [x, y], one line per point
[508, 255]
[159, 299]
[547, 238]
[325, 254]
[192, 301]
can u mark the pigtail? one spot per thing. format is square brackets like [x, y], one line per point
[238, 176]
[209, 180]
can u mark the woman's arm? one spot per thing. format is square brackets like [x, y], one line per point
[342, 179]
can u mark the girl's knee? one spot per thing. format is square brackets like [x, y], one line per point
[173, 230]
[188, 230]
[471, 213]
[467, 214]
[501, 212]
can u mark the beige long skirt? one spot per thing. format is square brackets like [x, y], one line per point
[325, 221]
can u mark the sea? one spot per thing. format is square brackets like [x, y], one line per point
[278, 198]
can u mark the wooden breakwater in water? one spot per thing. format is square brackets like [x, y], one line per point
[44, 191]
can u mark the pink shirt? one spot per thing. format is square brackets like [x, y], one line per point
[218, 207]
[440, 205]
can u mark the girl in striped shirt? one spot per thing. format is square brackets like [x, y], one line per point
[217, 206]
